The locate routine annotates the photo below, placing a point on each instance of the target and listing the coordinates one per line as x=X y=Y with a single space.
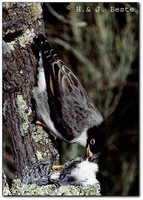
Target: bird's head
x=96 y=139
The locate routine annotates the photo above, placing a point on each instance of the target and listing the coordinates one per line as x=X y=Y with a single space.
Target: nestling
x=76 y=172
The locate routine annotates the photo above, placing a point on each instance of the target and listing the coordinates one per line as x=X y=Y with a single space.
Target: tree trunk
x=21 y=22
x=30 y=143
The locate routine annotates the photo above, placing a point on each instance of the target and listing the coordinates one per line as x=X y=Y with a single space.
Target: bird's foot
x=38 y=122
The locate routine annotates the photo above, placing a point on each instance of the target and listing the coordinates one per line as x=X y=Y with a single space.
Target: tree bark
x=30 y=143
x=21 y=22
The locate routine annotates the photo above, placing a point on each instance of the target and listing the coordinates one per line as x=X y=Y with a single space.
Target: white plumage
x=41 y=75
x=81 y=139
x=85 y=173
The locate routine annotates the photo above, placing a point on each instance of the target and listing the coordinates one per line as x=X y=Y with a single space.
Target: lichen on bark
x=30 y=143
x=20 y=189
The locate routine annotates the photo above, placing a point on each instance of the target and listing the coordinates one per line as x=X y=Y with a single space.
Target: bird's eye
x=92 y=141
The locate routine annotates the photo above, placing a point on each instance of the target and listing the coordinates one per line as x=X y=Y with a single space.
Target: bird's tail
x=41 y=43
x=43 y=46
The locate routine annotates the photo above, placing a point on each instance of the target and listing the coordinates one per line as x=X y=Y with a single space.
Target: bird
x=75 y=172
x=63 y=105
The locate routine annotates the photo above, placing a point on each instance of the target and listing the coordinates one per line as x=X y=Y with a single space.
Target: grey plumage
x=38 y=173
x=76 y=172
x=62 y=102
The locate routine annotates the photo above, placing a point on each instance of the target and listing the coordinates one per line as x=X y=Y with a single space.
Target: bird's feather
x=67 y=102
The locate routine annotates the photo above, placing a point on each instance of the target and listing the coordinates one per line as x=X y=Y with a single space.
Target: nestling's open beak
x=56 y=168
x=89 y=154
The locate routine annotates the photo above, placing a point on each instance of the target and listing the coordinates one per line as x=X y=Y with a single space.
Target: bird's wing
x=70 y=106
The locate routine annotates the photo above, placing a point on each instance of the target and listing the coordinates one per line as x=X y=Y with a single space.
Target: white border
x=126 y=1
x=141 y=100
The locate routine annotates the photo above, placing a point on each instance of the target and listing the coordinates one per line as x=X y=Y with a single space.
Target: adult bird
x=63 y=104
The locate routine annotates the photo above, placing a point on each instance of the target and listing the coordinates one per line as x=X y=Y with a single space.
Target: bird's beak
x=89 y=154
x=56 y=168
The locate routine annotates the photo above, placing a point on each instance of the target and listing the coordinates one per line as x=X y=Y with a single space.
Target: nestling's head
x=97 y=137
x=75 y=172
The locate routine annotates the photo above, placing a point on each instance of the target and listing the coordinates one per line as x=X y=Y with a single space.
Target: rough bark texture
x=19 y=70
x=20 y=189
x=30 y=143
